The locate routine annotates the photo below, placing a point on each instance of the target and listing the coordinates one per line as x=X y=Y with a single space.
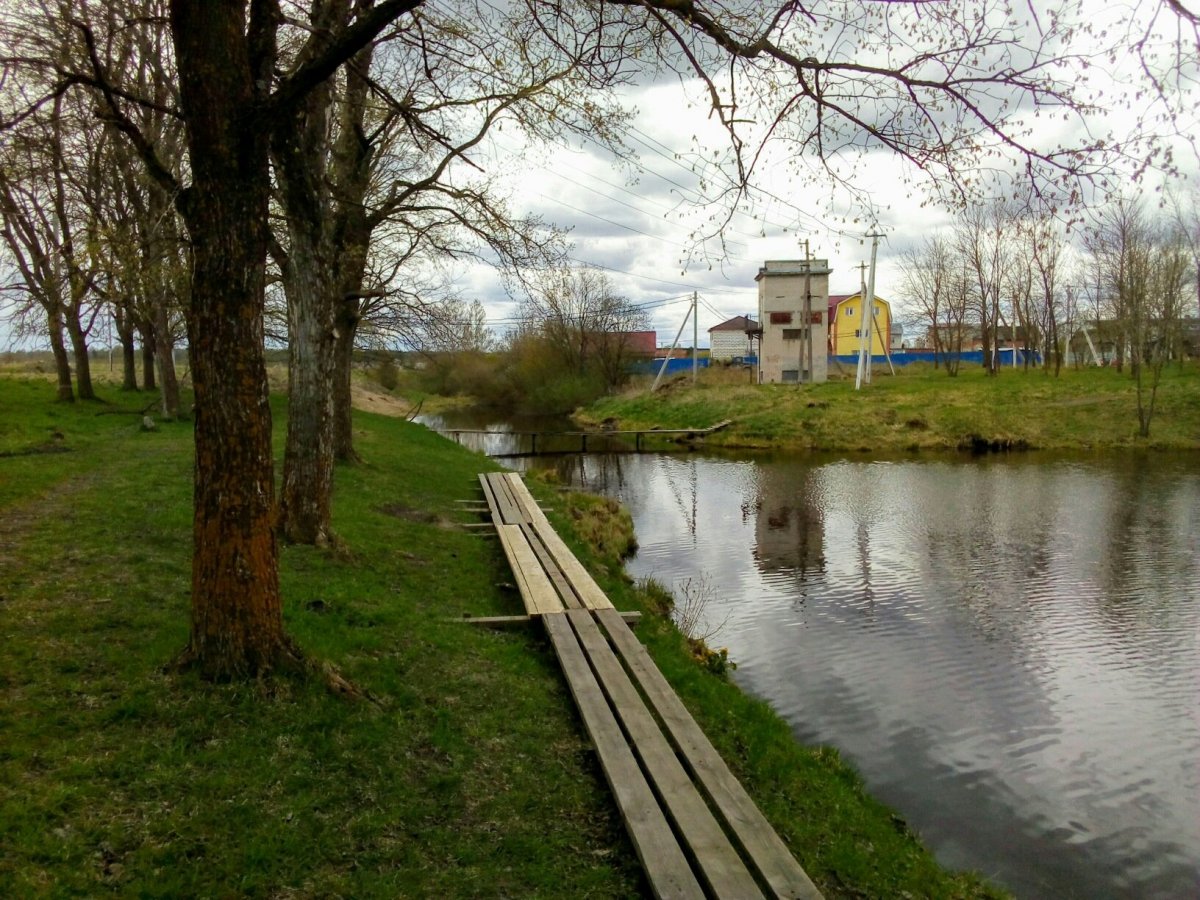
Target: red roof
x=641 y=342
x=835 y=299
x=737 y=323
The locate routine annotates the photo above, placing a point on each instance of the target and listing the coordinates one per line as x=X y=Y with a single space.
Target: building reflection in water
x=789 y=526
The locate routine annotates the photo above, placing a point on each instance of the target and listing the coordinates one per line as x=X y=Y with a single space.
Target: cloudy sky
x=636 y=217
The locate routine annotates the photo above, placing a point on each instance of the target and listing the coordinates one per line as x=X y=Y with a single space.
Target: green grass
x=922 y=409
x=470 y=777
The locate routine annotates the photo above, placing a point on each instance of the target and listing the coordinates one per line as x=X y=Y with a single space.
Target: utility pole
x=695 y=338
x=674 y=344
x=806 y=334
x=864 y=347
x=862 y=290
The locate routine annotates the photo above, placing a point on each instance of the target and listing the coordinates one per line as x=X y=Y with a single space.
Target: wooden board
x=723 y=871
x=501 y=497
x=561 y=585
x=658 y=850
x=631 y=617
x=754 y=834
x=512 y=512
x=536 y=590
x=523 y=498
x=489 y=496
x=583 y=583
x=581 y=580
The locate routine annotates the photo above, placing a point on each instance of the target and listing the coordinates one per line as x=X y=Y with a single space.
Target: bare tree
x=1019 y=286
x=1046 y=254
x=1114 y=245
x=1146 y=267
x=49 y=204
x=980 y=242
x=230 y=96
x=413 y=146
x=927 y=272
x=1185 y=216
x=583 y=322
x=156 y=265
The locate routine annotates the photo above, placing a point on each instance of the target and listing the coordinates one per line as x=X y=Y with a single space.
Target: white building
x=793 y=302
x=729 y=340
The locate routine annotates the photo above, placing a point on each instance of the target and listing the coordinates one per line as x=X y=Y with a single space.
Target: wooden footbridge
x=553 y=442
x=695 y=829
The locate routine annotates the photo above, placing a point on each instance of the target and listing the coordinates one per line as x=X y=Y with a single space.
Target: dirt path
x=18 y=521
x=364 y=398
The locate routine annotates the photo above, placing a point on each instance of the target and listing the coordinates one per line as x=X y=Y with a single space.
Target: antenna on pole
x=865 y=317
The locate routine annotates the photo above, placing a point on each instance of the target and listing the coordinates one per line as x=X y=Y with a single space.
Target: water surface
x=1008 y=649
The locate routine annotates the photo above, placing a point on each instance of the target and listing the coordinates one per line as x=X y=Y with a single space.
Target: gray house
x=793 y=304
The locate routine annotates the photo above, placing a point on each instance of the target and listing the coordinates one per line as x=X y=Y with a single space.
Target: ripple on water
x=1007 y=650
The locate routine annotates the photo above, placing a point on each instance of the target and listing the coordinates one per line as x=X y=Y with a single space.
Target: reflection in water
x=789 y=531
x=1007 y=649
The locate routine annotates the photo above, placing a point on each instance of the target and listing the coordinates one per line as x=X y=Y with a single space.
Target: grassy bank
x=470 y=777
x=920 y=409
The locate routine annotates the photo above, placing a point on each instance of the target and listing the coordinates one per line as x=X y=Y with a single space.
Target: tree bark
x=352 y=161
x=128 y=350
x=62 y=360
x=224 y=66
x=149 y=380
x=345 y=330
x=301 y=153
x=306 y=504
x=83 y=366
x=164 y=354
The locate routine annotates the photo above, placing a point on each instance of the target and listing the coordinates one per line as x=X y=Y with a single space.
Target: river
x=1006 y=648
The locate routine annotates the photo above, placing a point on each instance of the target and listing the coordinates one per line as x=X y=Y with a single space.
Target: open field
x=469 y=776
x=920 y=409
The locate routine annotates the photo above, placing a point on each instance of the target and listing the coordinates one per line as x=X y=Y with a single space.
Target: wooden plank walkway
x=694 y=828
x=639 y=434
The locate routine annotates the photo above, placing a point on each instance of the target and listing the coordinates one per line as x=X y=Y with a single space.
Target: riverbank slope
x=469 y=776
x=919 y=408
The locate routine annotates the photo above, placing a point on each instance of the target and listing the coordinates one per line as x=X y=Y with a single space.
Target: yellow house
x=845 y=325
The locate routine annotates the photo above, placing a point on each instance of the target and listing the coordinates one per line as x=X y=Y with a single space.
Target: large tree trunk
x=83 y=366
x=306 y=504
x=352 y=158
x=301 y=150
x=128 y=350
x=149 y=379
x=164 y=352
x=345 y=330
x=62 y=360
x=237 y=622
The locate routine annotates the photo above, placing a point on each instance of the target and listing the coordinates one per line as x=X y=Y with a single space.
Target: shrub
x=387 y=374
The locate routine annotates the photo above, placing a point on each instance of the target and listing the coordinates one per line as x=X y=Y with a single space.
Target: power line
x=611 y=221
x=666 y=210
x=801 y=215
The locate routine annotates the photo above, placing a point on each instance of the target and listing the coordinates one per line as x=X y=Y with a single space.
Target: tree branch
x=115 y=116
x=293 y=88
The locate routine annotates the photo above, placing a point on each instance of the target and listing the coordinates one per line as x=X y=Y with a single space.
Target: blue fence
x=970 y=356
x=674 y=366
